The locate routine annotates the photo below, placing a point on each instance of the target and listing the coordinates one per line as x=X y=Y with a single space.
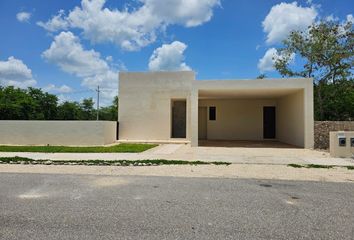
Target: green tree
x=88 y=111
x=262 y=76
x=327 y=51
x=69 y=111
x=110 y=112
x=34 y=104
x=44 y=104
x=12 y=102
x=30 y=104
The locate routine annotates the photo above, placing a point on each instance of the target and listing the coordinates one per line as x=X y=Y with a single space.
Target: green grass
x=295 y=165
x=319 y=166
x=21 y=160
x=120 y=148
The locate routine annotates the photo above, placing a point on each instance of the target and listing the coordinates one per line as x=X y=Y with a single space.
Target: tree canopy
x=326 y=51
x=34 y=104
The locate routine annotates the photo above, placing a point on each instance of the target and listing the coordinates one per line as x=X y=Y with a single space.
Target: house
x=174 y=106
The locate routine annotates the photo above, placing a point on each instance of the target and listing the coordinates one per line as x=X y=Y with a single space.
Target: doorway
x=179 y=118
x=269 y=122
x=202 y=123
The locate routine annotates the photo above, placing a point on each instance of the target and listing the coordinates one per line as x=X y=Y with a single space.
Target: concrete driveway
x=247 y=155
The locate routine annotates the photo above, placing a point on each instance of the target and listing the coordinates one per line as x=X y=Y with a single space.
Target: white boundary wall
x=57 y=132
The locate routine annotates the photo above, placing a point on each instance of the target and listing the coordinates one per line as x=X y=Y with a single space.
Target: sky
x=69 y=47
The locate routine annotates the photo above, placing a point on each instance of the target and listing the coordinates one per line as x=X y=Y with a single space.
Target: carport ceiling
x=246 y=93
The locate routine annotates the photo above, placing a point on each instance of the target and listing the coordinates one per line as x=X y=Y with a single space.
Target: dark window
x=212 y=113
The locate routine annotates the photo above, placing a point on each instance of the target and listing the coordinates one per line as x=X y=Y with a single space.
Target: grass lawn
x=120 y=148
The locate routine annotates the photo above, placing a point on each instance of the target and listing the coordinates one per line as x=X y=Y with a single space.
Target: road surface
x=50 y=206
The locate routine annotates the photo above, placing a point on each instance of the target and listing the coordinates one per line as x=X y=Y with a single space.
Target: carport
x=254 y=113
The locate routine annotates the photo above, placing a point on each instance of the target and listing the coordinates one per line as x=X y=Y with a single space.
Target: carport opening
x=263 y=118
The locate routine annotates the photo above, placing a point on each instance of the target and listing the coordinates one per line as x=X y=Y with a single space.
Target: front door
x=269 y=122
x=179 y=117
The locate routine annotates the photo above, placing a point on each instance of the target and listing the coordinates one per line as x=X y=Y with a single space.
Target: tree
x=44 y=104
x=111 y=112
x=30 y=104
x=34 y=104
x=262 y=76
x=327 y=53
x=339 y=101
x=88 y=111
x=69 y=111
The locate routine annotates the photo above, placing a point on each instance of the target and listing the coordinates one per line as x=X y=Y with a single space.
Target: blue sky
x=69 y=47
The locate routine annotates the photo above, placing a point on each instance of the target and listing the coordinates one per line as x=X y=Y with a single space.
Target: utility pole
x=98 y=101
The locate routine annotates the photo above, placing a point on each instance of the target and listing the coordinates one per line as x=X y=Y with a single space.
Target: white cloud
x=286 y=17
x=266 y=63
x=23 y=16
x=133 y=29
x=64 y=98
x=350 y=18
x=169 y=57
x=62 y=89
x=14 y=72
x=56 y=23
x=67 y=52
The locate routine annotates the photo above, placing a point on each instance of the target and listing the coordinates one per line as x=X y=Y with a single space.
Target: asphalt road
x=35 y=206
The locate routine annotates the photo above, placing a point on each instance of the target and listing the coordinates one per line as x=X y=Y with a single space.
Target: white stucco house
x=174 y=106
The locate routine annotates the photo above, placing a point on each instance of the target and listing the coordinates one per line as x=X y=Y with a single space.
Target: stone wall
x=322 y=129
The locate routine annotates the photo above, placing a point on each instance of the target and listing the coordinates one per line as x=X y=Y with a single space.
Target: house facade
x=174 y=106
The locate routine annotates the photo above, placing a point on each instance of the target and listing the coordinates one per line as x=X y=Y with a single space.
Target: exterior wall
x=57 y=132
x=145 y=103
x=309 y=116
x=322 y=129
x=341 y=151
x=236 y=119
x=290 y=119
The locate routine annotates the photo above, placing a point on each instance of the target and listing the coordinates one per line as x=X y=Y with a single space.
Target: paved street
x=41 y=206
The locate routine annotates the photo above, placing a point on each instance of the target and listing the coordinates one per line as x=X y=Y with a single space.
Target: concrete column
x=309 y=115
x=194 y=118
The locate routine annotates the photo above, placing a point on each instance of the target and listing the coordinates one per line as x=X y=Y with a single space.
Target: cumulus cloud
x=131 y=30
x=56 y=89
x=286 y=17
x=23 y=16
x=67 y=52
x=56 y=23
x=266 y=63
x=14 y=72
x=169 y=57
